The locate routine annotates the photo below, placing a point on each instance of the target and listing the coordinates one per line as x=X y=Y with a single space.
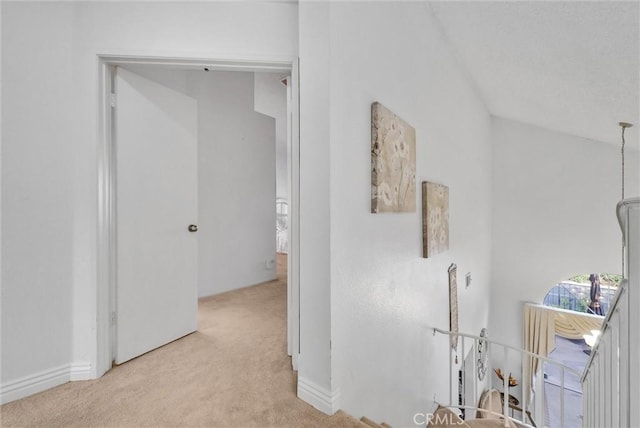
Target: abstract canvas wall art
x=435 y=219
x=453 y=305
x=393 y=162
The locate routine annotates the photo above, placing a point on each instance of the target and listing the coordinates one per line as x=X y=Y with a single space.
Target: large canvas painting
x=393 y=162
x=435 y=218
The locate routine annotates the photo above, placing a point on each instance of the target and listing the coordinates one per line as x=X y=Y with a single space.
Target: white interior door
x=156 y=187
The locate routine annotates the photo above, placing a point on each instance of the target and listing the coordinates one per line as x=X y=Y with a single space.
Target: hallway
x=232 y=372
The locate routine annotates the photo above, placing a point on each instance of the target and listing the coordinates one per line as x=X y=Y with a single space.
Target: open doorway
x=108 y=196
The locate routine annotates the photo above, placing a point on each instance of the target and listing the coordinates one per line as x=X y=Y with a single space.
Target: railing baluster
x=609 y=376
x=594 y=409
x=586 y=417
x=463 y=376
x=561 y=397
x=597 y=420
x=602 y=381
x=615 y=379
x=586 y=411
x=505 y=388
x=475 y=372
x=450 y=371
x=536 y=408
x=523 y=393
x=606 y=372
x=540 y=394
x=594 y=386
x=602 y=357
x=624 y=363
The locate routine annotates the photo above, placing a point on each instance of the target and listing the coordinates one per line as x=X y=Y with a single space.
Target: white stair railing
x=512 y=361
x=611 y=378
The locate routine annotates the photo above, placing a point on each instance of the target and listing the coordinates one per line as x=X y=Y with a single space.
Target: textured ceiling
x=570 y=66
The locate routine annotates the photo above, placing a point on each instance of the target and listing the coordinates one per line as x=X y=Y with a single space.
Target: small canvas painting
x=393 y=162
x=435 y=219
x=453 y=305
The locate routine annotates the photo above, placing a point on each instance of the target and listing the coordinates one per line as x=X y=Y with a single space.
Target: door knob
x=193 y=228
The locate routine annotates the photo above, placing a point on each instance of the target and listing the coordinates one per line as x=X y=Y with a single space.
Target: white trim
x=106 y=222
x=220 y=64
x=322 y=399
x=293 y=259
x=38 y=382
x=80 y=371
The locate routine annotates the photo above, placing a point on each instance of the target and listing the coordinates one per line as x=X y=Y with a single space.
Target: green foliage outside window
x=579 y=305
x=612 y=279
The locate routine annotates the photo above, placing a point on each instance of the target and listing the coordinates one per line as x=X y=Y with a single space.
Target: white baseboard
x=80 y=371
x=38 y=382
x=322 y=399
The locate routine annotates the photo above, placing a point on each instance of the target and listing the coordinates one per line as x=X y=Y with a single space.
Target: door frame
x=106 y=183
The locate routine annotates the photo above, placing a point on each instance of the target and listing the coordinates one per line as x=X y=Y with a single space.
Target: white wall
x=38 y=173
x=271 y=99
x=1 y=137
x=315 y=381
x=554 y=199
x=49 y=165
x=387 y=365
x=237 y=183
x=173 y=78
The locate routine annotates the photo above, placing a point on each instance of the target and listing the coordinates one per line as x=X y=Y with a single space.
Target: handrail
x=523 y=351
x=610 y=378
x=622 y=288
x=527 y=407
x=620 y=208
x=568 y=311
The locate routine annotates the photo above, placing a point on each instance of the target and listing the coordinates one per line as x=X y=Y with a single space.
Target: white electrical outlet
x=269 y=264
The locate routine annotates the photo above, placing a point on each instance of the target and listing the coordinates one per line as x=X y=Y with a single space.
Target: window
x=574 y=294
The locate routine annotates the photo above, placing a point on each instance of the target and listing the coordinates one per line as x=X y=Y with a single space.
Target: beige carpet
x=233 y=372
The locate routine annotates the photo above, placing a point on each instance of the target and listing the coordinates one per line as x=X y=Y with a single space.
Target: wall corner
x=325 y=400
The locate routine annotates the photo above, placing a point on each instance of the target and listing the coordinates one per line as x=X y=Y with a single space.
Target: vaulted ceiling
x=570 y=66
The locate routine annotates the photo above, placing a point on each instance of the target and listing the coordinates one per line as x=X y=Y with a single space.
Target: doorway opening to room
x=192 y=211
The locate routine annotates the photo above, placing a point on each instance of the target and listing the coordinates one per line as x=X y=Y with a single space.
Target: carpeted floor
x=233 y=372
